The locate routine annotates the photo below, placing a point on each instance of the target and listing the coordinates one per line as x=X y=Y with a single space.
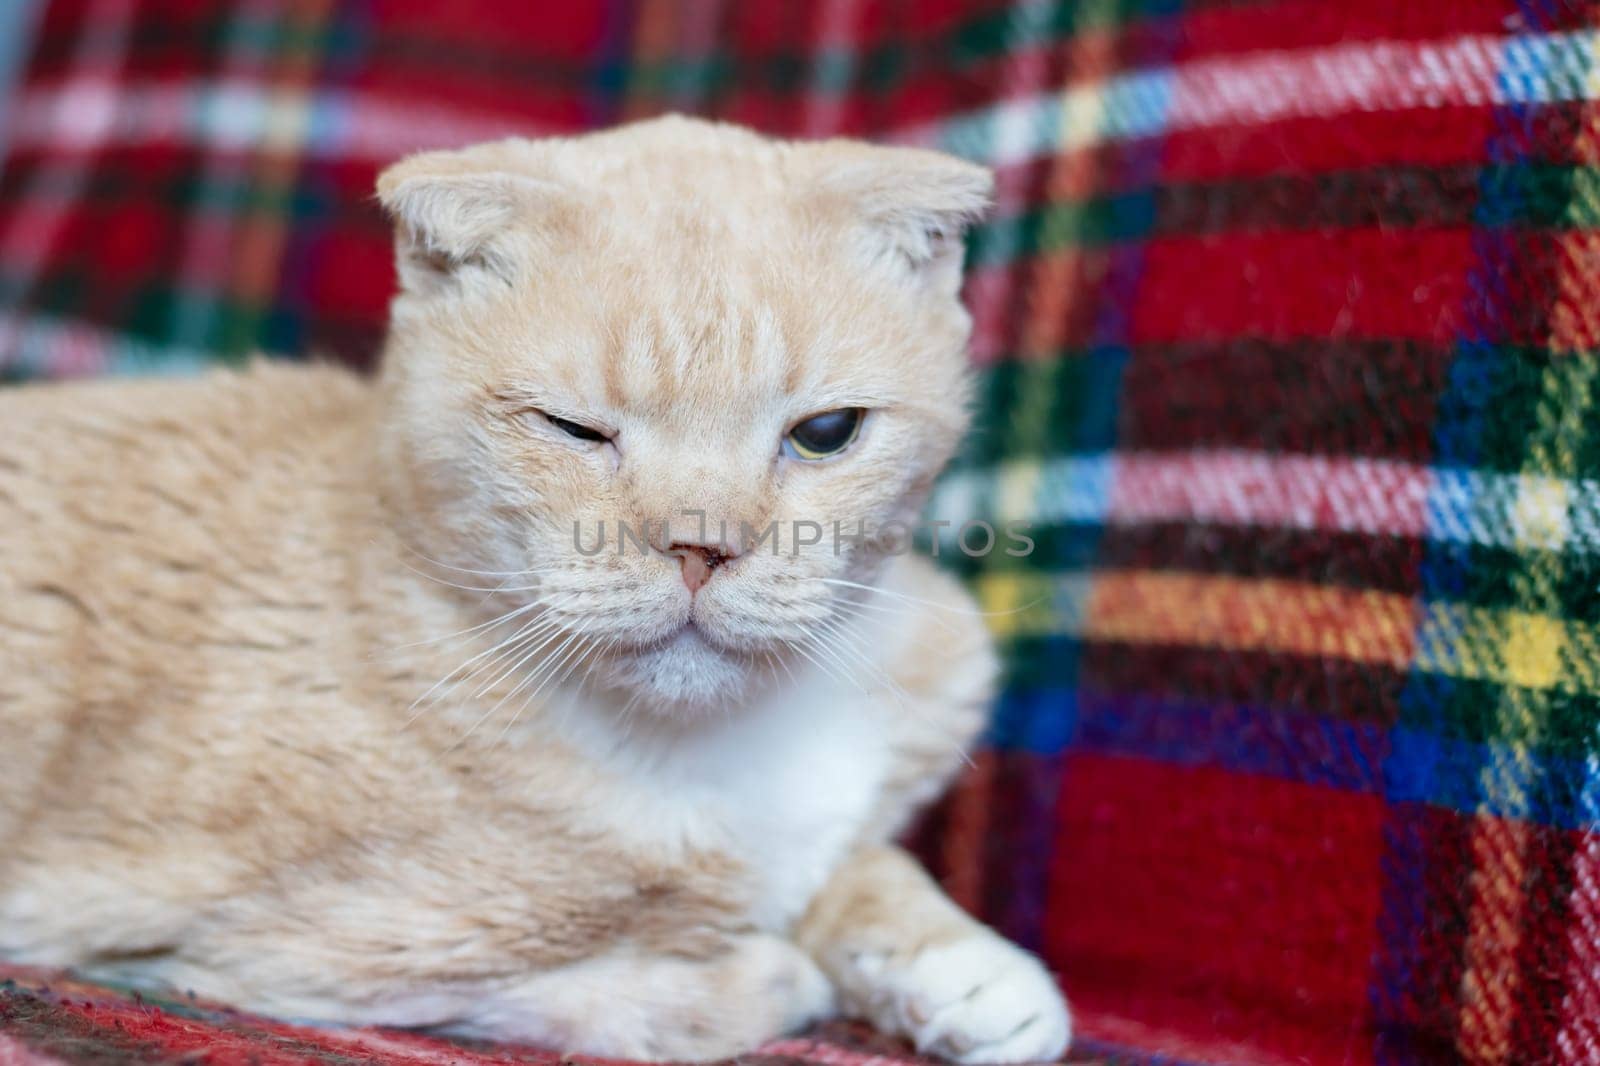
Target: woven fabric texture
x=1287 y=325
x=56 y=1020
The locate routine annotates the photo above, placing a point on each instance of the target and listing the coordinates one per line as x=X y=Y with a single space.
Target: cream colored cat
x=648 y=810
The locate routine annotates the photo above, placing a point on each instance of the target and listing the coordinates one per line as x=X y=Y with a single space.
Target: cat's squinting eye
x=577 y=429
x=824 y=435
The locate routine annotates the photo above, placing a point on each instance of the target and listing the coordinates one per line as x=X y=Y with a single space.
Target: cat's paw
x=979 y=999
x=784 y=980
x=660 y=1008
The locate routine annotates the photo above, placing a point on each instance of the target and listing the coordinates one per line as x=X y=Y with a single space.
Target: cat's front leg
x=629 y=1005
x=906 y=958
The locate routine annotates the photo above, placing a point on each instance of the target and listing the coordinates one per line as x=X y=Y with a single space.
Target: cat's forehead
x=724 y=231
x=685 y=301
x=675 y=335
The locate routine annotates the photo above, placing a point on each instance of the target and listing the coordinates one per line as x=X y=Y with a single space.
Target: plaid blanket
x=1287 y=321
x=55 y=1020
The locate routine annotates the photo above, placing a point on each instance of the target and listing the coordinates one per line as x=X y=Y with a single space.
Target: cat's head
x=619 y=331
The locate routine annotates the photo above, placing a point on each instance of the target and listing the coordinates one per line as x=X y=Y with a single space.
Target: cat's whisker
x=463 y=673
x=586 y=660
x=875 y=673
x=799 y=648
x=841 y=676
x=490 y=624
x=951 y=608
x=881 y=591
x=560 y=662
x=912 y=612
x=903 y=610
x=467 y=570
x=838 y=629
x=490 y=713
x=545 y=671
x=849 y=610
x=528 y=700
x=603 y=652
x=627 y=717
x=843 y=672
x=492 y=589
x=500 y=653
x=502 y=587
x=902 y=698
x=546 y=639
x=778 y=660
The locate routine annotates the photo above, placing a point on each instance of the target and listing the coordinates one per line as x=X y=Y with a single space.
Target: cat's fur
x=221 y=599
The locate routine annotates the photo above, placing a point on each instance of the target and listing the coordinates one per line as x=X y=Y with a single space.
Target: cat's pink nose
x=698 y=560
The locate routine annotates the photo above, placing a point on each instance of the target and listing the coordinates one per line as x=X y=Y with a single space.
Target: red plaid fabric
x=1287 y=323
x=54 y=1020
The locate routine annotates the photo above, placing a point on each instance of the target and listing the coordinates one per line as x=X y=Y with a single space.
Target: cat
x=336 y=700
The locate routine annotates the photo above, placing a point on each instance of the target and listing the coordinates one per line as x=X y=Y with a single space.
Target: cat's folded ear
x=461 y=213
x=910 y=203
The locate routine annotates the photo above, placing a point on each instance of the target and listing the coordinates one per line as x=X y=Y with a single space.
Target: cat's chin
x=684 y=676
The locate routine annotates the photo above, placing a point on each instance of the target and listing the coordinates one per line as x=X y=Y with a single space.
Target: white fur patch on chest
x=784 y=787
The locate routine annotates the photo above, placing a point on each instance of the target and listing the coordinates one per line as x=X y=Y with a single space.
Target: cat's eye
x=826 y=434
x=577 y=429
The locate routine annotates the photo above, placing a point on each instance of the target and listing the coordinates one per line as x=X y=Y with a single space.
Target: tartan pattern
x=1287 y=324
x=53 y=1019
